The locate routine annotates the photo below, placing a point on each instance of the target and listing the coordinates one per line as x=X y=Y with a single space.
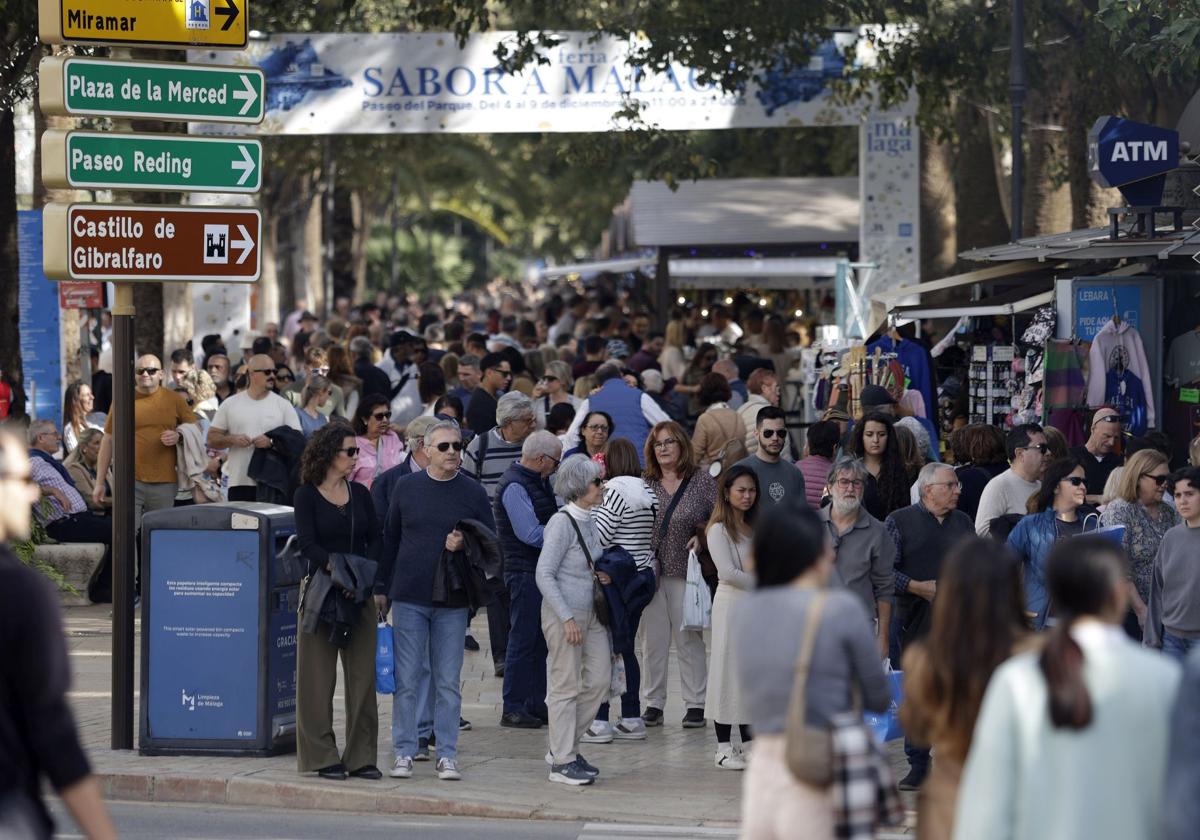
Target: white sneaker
x=728 y=759
x=630 y=729
x=600 y=732
x=402 y=768
x=447 y=770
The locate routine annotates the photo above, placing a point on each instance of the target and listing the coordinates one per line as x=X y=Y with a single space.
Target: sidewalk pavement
x=667 y=779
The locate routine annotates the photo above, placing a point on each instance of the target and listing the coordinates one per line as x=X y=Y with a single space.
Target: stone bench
x=76 y=562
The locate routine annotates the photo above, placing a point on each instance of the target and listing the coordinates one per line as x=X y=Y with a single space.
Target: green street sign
x=79 y=86
x=104 y=160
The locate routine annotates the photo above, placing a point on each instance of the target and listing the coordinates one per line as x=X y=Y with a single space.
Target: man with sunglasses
x=406 y=350
x=1099 y=455
x=158 y=413
x=778 y=479
x=497 y=375
x=1008 y=493
x=422 y=522
x=242 y=422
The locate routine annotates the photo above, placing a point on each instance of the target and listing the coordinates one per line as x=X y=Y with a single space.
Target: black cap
x=307 y=316
x=875 y=395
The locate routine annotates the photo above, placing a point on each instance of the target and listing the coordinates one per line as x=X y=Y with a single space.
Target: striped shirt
x=499 y=456
x=617 y=523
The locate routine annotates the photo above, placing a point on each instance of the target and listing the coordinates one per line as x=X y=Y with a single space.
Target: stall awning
x=618 y=266
x=997 y=272
x=1090 y=244
x=759 y=272
x=1008 y=303
x=745 y=211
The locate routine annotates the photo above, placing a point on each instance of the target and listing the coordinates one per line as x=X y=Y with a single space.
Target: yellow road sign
x=219 y=24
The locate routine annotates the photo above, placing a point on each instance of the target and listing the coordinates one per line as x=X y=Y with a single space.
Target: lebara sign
x=424 y=83
x=1133 y=157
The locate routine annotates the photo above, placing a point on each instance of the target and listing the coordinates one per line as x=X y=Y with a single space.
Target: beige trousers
x=577 y=679
x=660 y=624
x=775 y=804
x=316 y=676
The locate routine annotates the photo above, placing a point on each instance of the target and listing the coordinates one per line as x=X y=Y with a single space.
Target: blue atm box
x=218 y=631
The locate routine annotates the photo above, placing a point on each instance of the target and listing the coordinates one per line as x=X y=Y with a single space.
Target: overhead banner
x=425 y=83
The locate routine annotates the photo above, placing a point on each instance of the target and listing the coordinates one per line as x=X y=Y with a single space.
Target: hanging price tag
x=1189 y=395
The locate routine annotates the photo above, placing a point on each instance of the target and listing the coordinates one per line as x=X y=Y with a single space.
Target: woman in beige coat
x=720 y=434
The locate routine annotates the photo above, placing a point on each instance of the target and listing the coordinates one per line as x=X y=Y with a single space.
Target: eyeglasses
x=597 y=427
x=954 y=485
x=556 y=461
x=665 y=443
x=1075 y=481
x=447 y=445
x=596 y=482
x=264 y=371
x=146 y=371
x=1160 y=480
x=770 y=433
x=350 y=450
x=382 y=415
x=323 y=371
x=1040 y=447
x=847 y=483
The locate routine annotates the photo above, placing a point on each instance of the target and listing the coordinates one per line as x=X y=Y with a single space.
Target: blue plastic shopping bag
x=886 y=725
x=385 y=660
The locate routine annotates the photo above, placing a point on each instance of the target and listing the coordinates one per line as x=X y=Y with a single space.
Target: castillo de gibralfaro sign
x=151 y=243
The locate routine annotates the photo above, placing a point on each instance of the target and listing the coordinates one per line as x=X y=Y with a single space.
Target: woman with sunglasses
x=1138 y=506
x=1057 y=512
x=335 y=515
x=554 y=388
x=379 y=448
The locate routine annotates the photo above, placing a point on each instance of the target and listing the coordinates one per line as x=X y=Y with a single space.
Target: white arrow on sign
x=245 y=165
x=245 y=244
x=248 y=96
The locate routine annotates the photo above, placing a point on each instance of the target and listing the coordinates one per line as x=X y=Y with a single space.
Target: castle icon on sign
x=197 y=14
x=216 y=244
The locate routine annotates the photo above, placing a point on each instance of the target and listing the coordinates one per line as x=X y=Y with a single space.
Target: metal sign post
x=124 y=550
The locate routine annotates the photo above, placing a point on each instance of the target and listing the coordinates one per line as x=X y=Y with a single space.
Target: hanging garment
x=1118 y=347
x=1064 y=381
x=916 y=363
x=1124 y=392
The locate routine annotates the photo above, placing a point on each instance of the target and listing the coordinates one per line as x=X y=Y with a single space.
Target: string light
x=729 y=301
x=681 y=300
x=762 y=302
x=799 y=313
x=703 y=313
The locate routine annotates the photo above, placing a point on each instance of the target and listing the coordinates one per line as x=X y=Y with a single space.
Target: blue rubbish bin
x=218 y=649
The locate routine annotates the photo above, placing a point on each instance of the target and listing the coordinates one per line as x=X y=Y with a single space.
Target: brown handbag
x=808 y=749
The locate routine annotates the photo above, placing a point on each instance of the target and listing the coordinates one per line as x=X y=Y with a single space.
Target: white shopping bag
x=697 y=602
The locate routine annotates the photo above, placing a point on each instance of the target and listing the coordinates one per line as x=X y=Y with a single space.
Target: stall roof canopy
x=1091 y=244
x=1022 y=299
x=745 y=211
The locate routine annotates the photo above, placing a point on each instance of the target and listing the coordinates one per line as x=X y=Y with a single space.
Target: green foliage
x=431 y=262
x=1162 y=36
x=24 y=550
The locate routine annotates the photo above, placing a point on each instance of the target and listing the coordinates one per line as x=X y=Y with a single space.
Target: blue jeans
x=525 y=660
x=1176 y=647
x=631 y=706
x=428 y=638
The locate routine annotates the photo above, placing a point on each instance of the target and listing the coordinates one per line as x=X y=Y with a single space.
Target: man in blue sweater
x=524 y=504
x=422 y=522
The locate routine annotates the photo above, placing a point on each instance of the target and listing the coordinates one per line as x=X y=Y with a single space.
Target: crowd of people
x=560 y=465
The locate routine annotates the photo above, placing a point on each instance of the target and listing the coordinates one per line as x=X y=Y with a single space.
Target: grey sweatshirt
x=1174 y=604
x=767 y=628
x=563 y=575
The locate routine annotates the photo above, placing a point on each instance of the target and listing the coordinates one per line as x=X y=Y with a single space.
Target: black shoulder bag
x=666 y=522
x=599 y=599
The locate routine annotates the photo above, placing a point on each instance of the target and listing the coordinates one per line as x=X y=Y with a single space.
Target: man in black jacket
x=374 y=380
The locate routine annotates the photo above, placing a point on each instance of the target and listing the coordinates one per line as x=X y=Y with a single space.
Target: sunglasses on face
x=352 y=451
x=382 y=415
x=770 y=433
x=146 y=371
x=1040 y=447
x=447 y=445
x=1112 y=418
x=268 y=372
x=323 y=371
x=550 y=378
x=283 y=374
x=1160 y=480
x=1075 y=481
x=507 y=374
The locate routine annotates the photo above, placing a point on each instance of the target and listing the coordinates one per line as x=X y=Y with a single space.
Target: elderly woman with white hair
x=579 y=662
x=554 y=388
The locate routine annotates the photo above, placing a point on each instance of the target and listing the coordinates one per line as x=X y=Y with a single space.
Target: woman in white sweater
x=729 y=535
x=1071 y=741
